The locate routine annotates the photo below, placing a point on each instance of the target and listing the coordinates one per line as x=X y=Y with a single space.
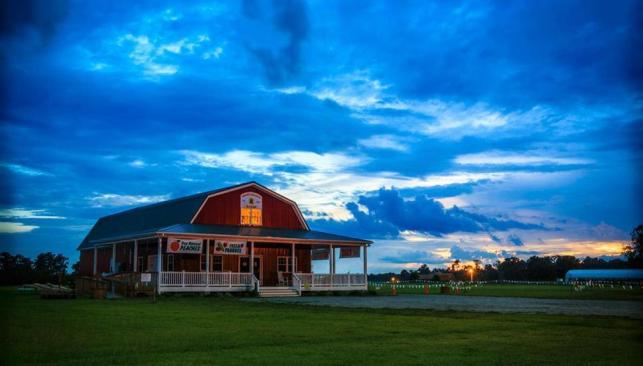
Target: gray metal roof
x=604 y=274
x=174 y=216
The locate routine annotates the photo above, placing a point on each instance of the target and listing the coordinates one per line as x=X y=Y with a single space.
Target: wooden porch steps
x=277 y=292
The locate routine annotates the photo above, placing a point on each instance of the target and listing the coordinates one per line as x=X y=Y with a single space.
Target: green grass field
x=535 y=291
x=225 y=330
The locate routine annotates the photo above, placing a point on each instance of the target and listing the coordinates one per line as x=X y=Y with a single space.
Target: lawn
x=224 y=330
x=520 y=290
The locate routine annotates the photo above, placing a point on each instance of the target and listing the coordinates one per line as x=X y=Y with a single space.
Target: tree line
x=536 y=268
x=46 y=268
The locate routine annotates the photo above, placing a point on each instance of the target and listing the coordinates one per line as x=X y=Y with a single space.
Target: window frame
x=254 y=214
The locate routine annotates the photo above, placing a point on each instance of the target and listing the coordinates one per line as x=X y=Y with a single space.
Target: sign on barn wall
x=187 y=246
x=230 y=247
x=349 y=252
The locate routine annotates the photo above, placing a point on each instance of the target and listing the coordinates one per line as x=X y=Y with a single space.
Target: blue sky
x=439 y=130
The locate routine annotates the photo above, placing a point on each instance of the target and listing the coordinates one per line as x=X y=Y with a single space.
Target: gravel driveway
x=631 y=309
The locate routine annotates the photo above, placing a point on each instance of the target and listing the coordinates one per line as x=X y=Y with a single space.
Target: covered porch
x=260 y=262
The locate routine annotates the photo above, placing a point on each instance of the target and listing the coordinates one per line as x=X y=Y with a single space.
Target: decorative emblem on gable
x=250 y=200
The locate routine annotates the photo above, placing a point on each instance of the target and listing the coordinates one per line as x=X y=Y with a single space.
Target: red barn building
x=241 y=238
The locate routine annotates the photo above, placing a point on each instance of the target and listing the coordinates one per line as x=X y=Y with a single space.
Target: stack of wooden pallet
x=49 y=291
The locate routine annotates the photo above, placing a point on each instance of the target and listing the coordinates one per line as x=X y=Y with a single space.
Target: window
x=202 y=258
x=251 y=209
x=151 y=263
x=170 y=262
x=284 y=264
x=217 y=263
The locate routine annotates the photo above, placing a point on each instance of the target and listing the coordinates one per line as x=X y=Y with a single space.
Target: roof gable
x=253 y=186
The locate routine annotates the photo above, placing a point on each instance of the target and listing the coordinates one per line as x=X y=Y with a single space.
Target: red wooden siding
x=86 y=262
x=225 y=209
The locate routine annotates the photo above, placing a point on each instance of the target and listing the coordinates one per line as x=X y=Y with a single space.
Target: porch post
x=332 y=253
x=365 y=266
x=135 y=264
x=252 y=258
x=113 y=264
x=159 y=264
x=332 y=265
x=95 y=260
x=207 y=262
x=292 y=255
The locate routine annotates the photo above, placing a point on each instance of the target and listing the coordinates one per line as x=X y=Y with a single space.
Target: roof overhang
x=271 y=239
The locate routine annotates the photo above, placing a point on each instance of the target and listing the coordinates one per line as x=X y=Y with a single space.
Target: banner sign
x=349 y=252
x=320 y=253
x=146 y=277
x=230 y=247
x=188 y=246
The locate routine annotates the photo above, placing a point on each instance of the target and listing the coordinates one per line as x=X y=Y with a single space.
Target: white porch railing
x=202 y=281
x=329 y=282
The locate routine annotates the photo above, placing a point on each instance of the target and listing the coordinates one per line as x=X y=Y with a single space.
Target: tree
x=15 y=270
x=633 y=250
x=541 y=269
x=424 y=269
x=49 y=267
x=455 y=266
x=512 y=269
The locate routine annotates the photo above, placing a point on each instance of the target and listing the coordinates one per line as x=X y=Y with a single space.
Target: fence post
x=229 y=279
x=183 y=279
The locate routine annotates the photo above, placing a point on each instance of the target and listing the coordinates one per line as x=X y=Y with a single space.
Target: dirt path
x=631 y=309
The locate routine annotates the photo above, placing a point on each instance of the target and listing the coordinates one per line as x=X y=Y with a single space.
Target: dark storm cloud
x=515 y=240
x=389 y=214
x=289 y=17
x=40 y=16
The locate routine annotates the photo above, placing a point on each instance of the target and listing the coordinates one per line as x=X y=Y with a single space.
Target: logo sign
x=230 y=247
x=250 y=200
x=187 y=246
x=146 y=277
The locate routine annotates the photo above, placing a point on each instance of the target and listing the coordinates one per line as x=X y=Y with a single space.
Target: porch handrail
x=205 y=279
x=329 y=280
x=255 y=283
x=296 y=282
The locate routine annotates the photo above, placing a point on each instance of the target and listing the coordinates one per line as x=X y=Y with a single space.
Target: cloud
x=138 y=163
x=144 y=53
x=355 y=90
x=16 y=227
x=24 y=170
x=386 y=214
x=20 y=213
x=385 y=142
x=23 y=16
x=268 y=164
x=515 y=240
x=289 y=17
x=156 y=58
x=413 y=257
x=116 y=200
x=325 y=182
x=529 y=158
x=460 y=253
